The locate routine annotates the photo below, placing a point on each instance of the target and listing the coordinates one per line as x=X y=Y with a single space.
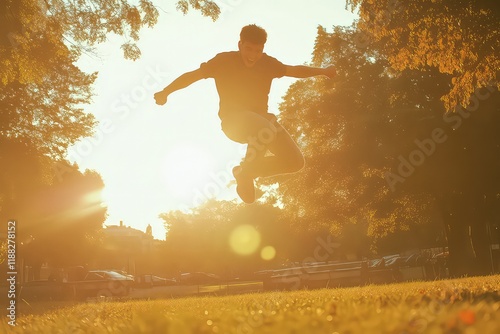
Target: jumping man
x=243 y=80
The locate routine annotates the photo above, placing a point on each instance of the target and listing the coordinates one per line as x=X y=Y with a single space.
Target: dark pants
x=263 y=134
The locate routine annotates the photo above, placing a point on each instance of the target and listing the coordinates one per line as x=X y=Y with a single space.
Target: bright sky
x=156 y=159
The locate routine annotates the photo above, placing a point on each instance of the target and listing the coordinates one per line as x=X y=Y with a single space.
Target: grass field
x=469 y=305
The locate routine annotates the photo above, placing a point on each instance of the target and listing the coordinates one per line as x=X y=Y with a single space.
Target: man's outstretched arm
x=181 y=82
x=301 y=71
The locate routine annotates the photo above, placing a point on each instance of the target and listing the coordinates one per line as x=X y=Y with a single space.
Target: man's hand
x=330 y=71
x=161 y=97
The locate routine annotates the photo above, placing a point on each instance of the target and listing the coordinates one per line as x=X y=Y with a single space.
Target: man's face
x=250 y=52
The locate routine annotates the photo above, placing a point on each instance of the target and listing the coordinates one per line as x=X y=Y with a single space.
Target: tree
x=200 y=240
x=457 y=37
x=63 y=219
x=460 y=40
x=346 y=129
x=382 y=152
x=57 y=219
x=23 y=172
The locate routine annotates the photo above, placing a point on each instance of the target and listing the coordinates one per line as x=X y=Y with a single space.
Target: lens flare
x=268 y=253
x=244 y=240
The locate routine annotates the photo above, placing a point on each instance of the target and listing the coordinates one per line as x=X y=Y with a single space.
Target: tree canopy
x=459 y=38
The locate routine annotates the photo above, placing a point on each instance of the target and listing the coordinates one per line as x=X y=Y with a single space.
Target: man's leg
x=261 y=134
x=286 y=156
x=255 y=131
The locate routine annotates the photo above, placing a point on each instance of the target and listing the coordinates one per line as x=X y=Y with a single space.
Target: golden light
x=244 y=240
x=185 y=168
x=90 y=203
x=106 y=196
x=268 y=253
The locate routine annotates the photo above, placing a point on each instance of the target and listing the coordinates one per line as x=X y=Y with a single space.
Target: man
x=243 y=80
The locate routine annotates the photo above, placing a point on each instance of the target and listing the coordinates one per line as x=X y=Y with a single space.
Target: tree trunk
x=466 y=225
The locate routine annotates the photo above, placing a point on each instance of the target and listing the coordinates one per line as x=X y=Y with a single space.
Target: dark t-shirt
x=242 y=88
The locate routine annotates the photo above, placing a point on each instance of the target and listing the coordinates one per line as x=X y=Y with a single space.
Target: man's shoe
x=244 y=185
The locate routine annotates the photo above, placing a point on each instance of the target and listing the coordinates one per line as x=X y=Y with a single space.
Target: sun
x=185 y=169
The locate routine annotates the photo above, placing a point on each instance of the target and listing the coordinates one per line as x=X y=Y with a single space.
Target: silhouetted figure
x=243 y=80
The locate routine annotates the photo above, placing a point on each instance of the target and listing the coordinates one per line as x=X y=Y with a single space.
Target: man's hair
x=254 y=34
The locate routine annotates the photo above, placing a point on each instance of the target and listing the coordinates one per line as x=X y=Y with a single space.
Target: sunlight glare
x=186 y=168
x=106 y=196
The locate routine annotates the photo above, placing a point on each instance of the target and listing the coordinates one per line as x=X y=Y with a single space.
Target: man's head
x=254 y=34
x=251 y=44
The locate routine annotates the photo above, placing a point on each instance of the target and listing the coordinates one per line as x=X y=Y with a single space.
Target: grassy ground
x=470 y=305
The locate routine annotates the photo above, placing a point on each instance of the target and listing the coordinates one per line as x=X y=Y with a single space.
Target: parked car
x=106 y=283
x=92 y=283
x=148 y=281
x=124 y=273
x=198 y=278
x=155 y=280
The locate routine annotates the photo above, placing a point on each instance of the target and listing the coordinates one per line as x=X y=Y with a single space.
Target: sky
x=154 y=159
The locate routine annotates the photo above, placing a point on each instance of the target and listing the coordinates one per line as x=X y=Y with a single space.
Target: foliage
x=79 y=24
x=57 y=218
x=63 y=219
x=456 y=306
x=200 y=240
x=457 y=37
x=48 y=115
x=41 y=89
x=24 y=170
x=351 y=131
x=382 y=152
x=207 y=7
